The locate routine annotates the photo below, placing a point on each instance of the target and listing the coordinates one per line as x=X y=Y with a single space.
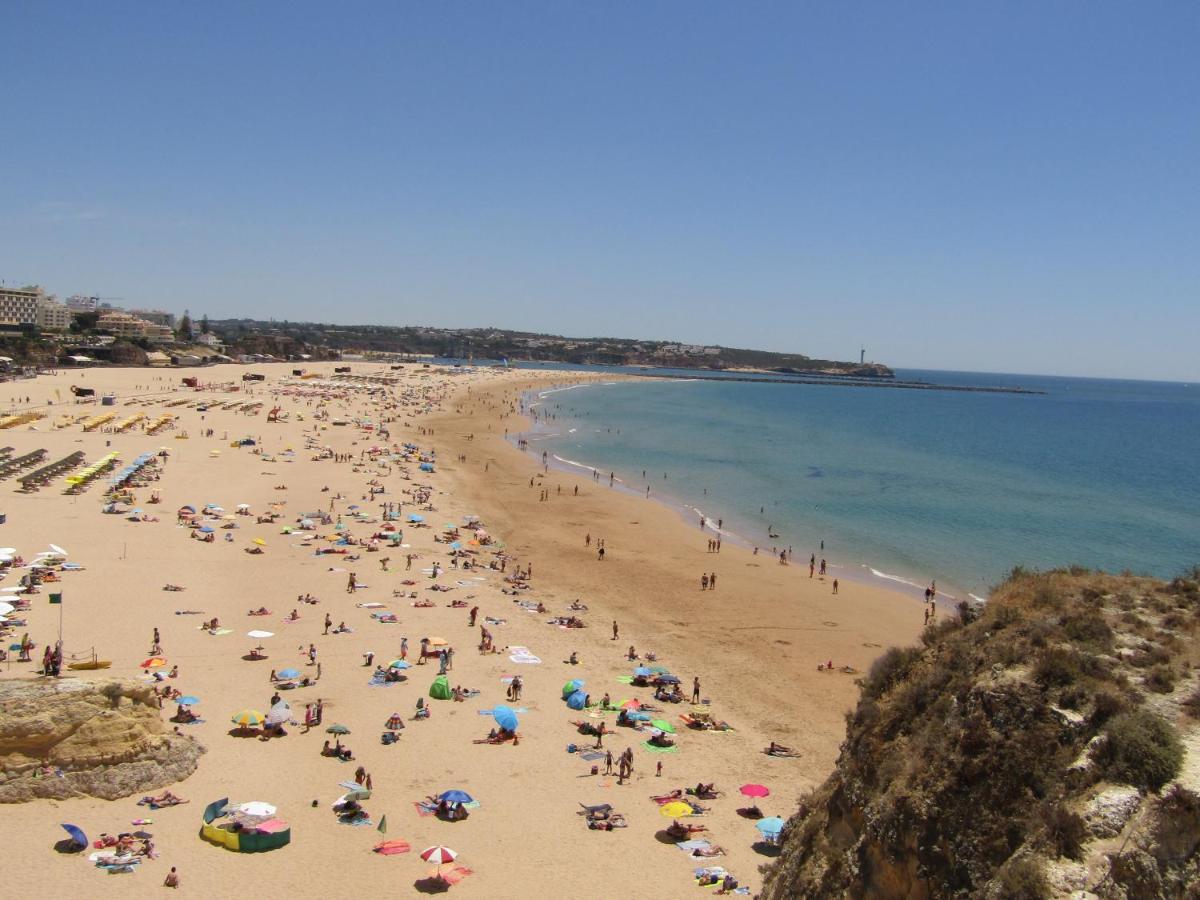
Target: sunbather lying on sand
x=682 y=832
x=166 y=798
x=261 y=611
x=780 y=750
x=173 y=587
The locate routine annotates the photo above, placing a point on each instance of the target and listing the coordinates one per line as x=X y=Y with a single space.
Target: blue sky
x=1006 y=186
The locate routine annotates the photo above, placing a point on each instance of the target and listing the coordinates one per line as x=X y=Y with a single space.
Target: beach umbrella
x=6 y=608
x=206 y=529
x=457 y=545
x=438 y=855
x=771 y=825
x=154 y=662
x=632 y=704
x=642 y=672
x=659 y=670
x=7 y=551
x=59 y=550
x=668 y=679
x=257 y=633
x=356 y=794
x=260 y=542
x=279 y=713
x=399 y=664
x=456 y=796
x=288 y=673
x=77 y=836
x=572 y=686
x=754 y=790
x=189 y=700
x=248 y=718
x=438 y=642
x=257 y=808
x=336 y=728
x=505 y=717
x=663 y=725
x=413 y=517
x=676 y=809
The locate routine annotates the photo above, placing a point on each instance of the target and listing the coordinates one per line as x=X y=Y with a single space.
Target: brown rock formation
x=107 y=739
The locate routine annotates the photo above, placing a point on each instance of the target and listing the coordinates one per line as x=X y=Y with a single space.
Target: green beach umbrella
x=336 y=728
x=663 y=725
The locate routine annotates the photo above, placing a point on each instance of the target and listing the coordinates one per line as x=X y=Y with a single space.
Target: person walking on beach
x=712 y=581
x=616 y=630
x=704 y=582
x=404 y=648
x=835 y=585
x=600 y=554
x=608 y=761
x=328 y=622
x=696 y=689
x=351 y=583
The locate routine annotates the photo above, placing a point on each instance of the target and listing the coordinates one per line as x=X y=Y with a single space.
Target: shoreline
x=863 y=573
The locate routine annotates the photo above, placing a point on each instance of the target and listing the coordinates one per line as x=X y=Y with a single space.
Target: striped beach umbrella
x=248 y=718
x=439 y=855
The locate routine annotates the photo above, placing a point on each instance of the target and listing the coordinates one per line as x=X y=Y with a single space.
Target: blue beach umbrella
x=668 y=679
x=413 y=517
x=505 y=717
x=187 y=701
x=457 y=545
x=455 y=796
x=77 y=835
x=399 y=664
x=577 y=700
x=642 y=671
x=288 y=673
x=207 y=529
x=772 y=825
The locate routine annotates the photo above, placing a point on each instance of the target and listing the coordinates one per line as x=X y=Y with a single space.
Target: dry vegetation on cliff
x=1045 y=746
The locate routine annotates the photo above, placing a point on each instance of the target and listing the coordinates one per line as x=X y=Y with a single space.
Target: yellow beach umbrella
x=676 y=809
x=248 y=718
x=260 y=542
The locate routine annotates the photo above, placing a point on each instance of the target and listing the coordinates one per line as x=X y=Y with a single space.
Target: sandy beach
x=755 y=642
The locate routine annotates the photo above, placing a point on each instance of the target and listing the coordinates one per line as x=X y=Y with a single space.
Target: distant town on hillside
x=36 y=329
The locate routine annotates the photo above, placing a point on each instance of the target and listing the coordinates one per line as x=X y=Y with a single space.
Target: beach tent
x=577 y=700
x=440 y=689
x=571 y=687
x=78 y=838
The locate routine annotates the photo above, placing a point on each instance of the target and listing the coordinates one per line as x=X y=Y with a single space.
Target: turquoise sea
x=908 y=485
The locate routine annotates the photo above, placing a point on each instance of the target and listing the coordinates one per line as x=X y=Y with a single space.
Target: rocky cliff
x=1047 y=745
x=70 y=738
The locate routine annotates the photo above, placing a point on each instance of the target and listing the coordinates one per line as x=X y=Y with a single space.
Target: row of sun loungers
x=11 y=467
x=46 y=474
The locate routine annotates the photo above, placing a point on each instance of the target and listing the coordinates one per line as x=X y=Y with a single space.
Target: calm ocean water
x=911 y=485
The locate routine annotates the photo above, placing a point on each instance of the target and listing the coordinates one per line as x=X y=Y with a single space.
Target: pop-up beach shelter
x=440 y=689
x=577 y=700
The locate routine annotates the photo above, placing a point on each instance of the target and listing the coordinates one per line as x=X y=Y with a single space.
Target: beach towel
x=391 y=848
x=454 y=875
x=424 y=808
x=625 y=679
x=653 y=749
x=692 y=846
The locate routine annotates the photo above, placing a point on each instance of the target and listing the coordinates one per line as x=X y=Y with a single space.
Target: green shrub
x=1161 y=679
x=1105 y=705
x=1065 y=831
x=888 y=670
x=1057 y=667
x=1090 y=629
x=1023 y=879
x=1142 y=749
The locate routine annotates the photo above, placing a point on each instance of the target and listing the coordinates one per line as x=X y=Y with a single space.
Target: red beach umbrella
x=755 y=790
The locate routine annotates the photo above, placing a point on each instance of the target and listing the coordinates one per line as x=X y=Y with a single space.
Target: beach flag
x=382 y=826
x=56 y=598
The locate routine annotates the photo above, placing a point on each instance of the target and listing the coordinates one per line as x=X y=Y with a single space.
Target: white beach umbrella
x=59 y=550
x=257 y=808
x=260 y=634
x=6 y=608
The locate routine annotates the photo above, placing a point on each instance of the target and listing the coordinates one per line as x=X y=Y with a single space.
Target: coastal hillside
x=1047 y=746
